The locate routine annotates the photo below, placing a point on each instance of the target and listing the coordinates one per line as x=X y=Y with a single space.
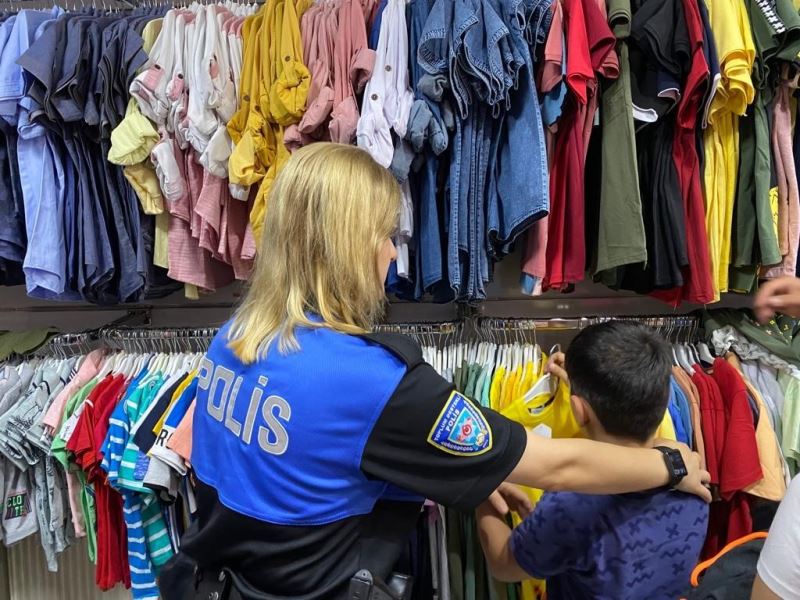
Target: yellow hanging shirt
x=736 y=50
x=555 y=412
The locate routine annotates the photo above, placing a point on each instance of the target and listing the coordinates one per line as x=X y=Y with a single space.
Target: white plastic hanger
x=705 y=353
x=694 y=358
x=546 y=384
x=683 y=358
x=108 y=365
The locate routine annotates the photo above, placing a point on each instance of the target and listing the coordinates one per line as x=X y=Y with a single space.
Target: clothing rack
x=675 y=327
x=131 y=333
x=160 y=340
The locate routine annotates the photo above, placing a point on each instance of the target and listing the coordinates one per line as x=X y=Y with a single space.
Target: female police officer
x=311 y=437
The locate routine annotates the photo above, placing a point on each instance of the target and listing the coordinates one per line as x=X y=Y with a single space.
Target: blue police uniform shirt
x=281 y=440
x=316 y=461
x=617 y=547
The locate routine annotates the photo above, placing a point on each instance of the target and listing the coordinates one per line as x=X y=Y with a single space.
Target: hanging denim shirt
x=430 y=35
x=488 y=61
x=522 y=194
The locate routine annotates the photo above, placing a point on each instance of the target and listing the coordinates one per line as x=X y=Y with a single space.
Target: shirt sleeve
x=779 y=562
x=434 y=441
x=547 y=542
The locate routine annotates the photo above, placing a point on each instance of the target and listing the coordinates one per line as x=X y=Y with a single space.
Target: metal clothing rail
x=675 y=328
x=127 y=333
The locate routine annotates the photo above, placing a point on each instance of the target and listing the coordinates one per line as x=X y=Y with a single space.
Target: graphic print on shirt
x=461 y=428
x=18 y=505
x=275 y=411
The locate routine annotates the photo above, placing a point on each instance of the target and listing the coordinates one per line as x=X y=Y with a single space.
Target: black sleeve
x=433 y=441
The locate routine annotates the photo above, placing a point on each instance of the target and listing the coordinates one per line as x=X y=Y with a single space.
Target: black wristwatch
x=675 y=465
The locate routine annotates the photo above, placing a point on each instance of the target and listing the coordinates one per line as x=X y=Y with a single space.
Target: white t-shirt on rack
x=779 y=563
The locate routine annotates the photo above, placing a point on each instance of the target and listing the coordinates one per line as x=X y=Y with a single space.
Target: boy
x=629 y=546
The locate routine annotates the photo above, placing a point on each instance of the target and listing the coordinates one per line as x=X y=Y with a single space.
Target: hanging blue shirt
x=680 y=412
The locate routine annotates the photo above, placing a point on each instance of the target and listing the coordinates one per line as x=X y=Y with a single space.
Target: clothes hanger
x=705 y=353
x=107 y=366
x=683 y=358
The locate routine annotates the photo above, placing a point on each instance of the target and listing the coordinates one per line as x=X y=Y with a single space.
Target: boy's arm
x=552 y=540
x=495 y=535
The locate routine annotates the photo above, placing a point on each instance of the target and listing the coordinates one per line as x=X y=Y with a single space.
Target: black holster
x=364 y=586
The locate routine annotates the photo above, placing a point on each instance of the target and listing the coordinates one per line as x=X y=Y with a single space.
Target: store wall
x=28 y=579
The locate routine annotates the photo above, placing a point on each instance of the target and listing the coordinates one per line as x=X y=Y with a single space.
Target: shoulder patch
x=461 y=428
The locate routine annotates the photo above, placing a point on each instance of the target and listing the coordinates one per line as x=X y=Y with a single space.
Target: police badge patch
x=461 y=428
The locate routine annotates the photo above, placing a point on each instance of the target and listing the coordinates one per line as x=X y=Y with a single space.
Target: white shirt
x=149 y=88
x=386 y=107
x=387 y=97
x=779 y=563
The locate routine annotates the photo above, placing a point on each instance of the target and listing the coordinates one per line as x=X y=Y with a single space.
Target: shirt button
x=388 y=67
x=374 y=96
x=246 y=98
x=287 y=58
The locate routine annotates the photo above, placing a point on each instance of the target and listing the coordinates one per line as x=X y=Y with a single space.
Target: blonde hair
x=329 y=211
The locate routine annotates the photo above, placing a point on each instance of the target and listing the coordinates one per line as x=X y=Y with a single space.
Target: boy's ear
x=581 y=410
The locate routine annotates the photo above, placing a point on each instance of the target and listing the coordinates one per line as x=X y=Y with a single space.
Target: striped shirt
x=148 y=540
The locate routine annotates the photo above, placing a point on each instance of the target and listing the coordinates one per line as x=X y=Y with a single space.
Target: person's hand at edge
x=780 y=295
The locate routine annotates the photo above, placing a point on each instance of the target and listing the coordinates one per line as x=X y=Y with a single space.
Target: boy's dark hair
x=622 y=369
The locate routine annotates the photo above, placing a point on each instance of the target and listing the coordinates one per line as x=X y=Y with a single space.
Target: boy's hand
x=509 y=497
x=555 y=366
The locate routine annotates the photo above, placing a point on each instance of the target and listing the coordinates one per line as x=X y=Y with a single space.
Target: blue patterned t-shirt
x=627 y=546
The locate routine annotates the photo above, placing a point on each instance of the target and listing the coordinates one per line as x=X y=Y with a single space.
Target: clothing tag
x=543 y=430
x=142 y=462
x=597 y=117
x=69 y=427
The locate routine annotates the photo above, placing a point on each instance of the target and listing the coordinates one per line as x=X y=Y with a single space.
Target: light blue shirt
x=41 y=177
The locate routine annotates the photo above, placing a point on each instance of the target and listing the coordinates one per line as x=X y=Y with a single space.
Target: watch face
x=677 y=463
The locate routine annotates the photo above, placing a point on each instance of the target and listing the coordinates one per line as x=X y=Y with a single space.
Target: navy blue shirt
x=627 y=546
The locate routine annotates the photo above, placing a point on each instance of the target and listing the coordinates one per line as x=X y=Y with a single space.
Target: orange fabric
x=703 y=566
x=690 y=389
x=181 y=440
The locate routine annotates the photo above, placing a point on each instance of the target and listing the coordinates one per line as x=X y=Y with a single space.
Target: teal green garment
x=513 y=591
x=469 y=381
x=487 y=386
x=462 y=381
x=472 y=379
x=137 y=403
x=479 y=385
